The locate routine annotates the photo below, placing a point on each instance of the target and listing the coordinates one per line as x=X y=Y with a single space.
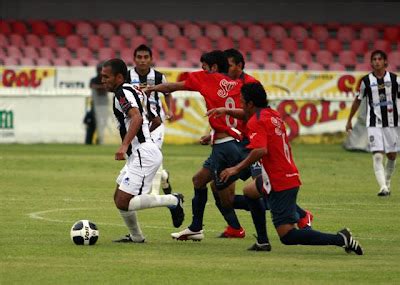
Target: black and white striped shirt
x=383 y=99
x=127 y=97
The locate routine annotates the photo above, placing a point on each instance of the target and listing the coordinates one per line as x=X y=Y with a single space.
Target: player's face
x=108 y=79
x=245 y=106
x=234 y=69
x=143 y=60
x=378 y=63
x=205 y=66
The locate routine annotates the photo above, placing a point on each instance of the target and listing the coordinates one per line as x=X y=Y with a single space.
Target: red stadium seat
x=33 y=40
x=148 y=30
x=58 y=61
x=84 y=53
x=391 y=34
x=27 y=61
x=320 y=33
x=359 y=47
x=315 y=66
x=324 y=57
x=163 y=63
x=347 y=58
x=73 y=42
x=289 y=45
x=106 y=30
x=193 y=55
x=93 y=62
x=298 y=33
x=127 y=30
x=46 y=52
x=160 y=43
x=170 y=31
x=346 y=34
x=369 y=34
x=192 y=31
x=63 y=28
x=213 y=31
x=3 y=41
x=184 y=64
x=13 y=51
x=63 y=52
x=203 y=43
x=312 y=45
x=302 y=57
x=136 y=41
x=267 y=44
x=76 y=62
x=382 y=45
x=251 y=65
x=10 y=61
x=293 y=66
x=246 y=44
x=16 y=40
x=225 y=43
x=43 y=62
x=5 y=28
x=84 y=29
x=30 y=52
x=258 y=56
x=277 y=32
x=49 y=41
x=271 y=66
x=337 y=67
x=172 y=55
x=280 y=56
x=362 y=67
x=235 y=32
x=334 y=46
x=19 y=27
x=95 y=42
x=39 y=28
x=117 y=42
x=394 y=58
x=182 y=43
x=126 y=54
x=105 y=53
x=256 y=32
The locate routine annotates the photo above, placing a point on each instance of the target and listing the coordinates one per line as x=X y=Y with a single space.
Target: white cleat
x=384 y=191
x=187 y=234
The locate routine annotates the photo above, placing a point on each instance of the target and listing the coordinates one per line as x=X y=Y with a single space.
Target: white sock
x=155 y=187
x=164 y=179
x=389 y=169
x=130 y=219
x=379 y=170
x=146 y=201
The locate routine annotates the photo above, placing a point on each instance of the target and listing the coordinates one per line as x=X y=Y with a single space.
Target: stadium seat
x=382 y=45
x=362 y=67
x=49 y=41
x=289 y=45
x=184 y=64
x=293 y=66
x=170 y=31
x=192 y=31
x=73 y=42
x=246 y=44
x=160 y=43
x=369 y=34
x=63 y=52
x=16 y=40
x=277 y=32
x=324 y=57
x=271 y=66
x=163 y=63
x=127 y=30
x=3 y=41
x=83 y=53
x=58 y=61
x=298 y=33
x=391 y=34
x=63 y=28
x=334 y=46
x=312 y=45
x=280 y=56
x=337 y=67
x=213 y=31
x=182 y=43
x=84 y=29
x=193 y=55
x=148 y=30
x=267 y=44
x=256 y=32
x=172 y=55
x=315 y=66
x=46 y=52
x=30 y=52
x=33 y=40
x=225 y=43
x=320 y=33
x=43 y=62
x=10 y=61
x=345 y=34
x=106 y=30
x=105 y=53
x=117 y=42
x=126 y=54
x=203 y=43
x=136 y=41
x=235 y=32
x=251 y=65
x=13 y=51
x=302 y=57
x=5 y=28
x=19 y=27
x=394 y=58
x=359 y=47
x=27 y=61
x=76 y=62
x=258 y=56
x=39 y=28
x=347 y=58
x=95 y=42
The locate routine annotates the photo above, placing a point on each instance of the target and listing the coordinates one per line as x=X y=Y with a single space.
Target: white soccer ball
x=84 y=232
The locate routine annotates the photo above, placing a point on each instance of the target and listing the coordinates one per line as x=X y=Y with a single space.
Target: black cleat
x=260 y=247
x=128 y=239
x=350 y=244
x=177 y=213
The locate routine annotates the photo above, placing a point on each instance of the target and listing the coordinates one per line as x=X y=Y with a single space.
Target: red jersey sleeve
x=257 y=133
x=194 y=80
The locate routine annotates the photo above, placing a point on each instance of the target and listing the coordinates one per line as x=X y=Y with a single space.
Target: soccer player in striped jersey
x=382 y=91
x=142 y=155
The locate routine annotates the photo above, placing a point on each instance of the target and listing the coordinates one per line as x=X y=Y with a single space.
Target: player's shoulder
x=247 y=78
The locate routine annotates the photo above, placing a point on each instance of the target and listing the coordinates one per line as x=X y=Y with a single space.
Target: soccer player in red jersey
x=280 y=179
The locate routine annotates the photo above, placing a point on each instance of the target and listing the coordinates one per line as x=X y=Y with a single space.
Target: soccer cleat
x=231 y=232
x=305 y=222
x=187 y=234
x=177 y=213
x=128 y=238
x=260 y=247
x=384 y=192
x=350 y=244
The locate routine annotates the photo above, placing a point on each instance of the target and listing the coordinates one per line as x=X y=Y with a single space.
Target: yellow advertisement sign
x=30 y=77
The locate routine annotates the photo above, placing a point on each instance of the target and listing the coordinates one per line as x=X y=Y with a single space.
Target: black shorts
x=283 y=206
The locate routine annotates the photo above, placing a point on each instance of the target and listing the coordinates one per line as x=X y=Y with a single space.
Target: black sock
x=300 y=211
x=257 y=208
x=167 y=190
x=198 y=204
x=311 y=237
x=228 y=213
x=240 y=203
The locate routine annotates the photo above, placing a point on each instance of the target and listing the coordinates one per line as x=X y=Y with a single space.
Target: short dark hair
x=118 y=66
x=379 y=52
x=236 y=55
x=255 y=92
x=142 y=47
x=217 y=57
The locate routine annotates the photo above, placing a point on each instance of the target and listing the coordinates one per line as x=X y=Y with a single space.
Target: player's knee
x=378 y=157
x=121 y=203
x=391 y=156
x=197 y=181
x=288 y=238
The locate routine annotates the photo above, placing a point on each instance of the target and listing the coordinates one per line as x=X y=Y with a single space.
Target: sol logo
x=226 y=86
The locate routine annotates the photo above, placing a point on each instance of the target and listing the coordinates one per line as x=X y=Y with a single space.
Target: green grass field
x=44 y=189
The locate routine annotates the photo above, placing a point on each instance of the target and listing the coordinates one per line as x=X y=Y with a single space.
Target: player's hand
x=349 y=127
x=228 y=172
x=121 y=152
x=169 y=116
x=148 y=90
x=216 y=112
x=205 y=140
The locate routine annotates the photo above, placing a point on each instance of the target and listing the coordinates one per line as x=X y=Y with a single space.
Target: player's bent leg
x=165 y=183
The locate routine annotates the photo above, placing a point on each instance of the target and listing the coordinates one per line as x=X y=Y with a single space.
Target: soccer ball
x=84 y=232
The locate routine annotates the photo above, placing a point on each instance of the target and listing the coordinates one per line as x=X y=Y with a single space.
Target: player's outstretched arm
x=217 y=112
x=166 y=87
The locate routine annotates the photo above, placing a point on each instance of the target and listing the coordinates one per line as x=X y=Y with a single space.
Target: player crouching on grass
x=132 y=112
x=280 y=180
